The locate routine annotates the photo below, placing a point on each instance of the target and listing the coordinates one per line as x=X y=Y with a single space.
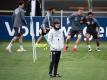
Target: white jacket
x=56 y=40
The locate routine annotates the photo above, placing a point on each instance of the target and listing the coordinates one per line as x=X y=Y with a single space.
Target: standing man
x=18 y=21
x=56 y=42
x=93 y=29
x=46 y=24
x=76 y=21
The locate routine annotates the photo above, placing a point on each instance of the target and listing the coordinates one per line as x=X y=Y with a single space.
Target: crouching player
x=92 y=29
x=56 y=42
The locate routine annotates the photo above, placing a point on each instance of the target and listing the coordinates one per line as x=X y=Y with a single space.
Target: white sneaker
x=8 y=49
x=21 y=50
x=89 y=49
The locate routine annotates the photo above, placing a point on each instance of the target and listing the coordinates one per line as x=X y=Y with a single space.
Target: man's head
x=57 y=24
x=80 y=10
x=52 y=10
x=21 y=3
x=90 y=14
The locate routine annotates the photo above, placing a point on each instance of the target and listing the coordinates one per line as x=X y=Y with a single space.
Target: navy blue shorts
x=74 y=32
x=93 y=33
x=18 y=31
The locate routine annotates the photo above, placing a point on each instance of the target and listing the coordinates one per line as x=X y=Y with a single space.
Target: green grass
x=82 y=65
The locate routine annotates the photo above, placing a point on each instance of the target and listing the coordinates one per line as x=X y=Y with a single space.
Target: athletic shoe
x=89 y=49
x=98 y=49
x=65 y=48
x=57 y=75
x=21 y=50
x=74 y=49
x=52 y=76
x=8 y=49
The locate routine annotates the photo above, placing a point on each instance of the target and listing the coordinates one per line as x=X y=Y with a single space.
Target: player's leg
x=88 y=41
x=52 y=63
x=70 y=35
x=43 y=32
x=21 y=44
x=67 y=42
x=96 y=37
x=20 y=35
x=58 y=53
x=79 y=36
x=39 y=39
x=15 y=38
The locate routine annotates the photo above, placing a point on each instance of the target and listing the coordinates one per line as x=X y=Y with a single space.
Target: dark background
x=66 y=5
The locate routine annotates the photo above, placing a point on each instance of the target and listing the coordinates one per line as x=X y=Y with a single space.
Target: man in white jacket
x=56 y=42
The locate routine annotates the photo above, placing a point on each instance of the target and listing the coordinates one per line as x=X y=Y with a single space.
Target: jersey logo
x=16 y=11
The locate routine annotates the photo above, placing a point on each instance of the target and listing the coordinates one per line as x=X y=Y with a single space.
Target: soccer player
x=92 y=29
x=46 y=24
x=76 y=21
x=18 y=21
x=56 y=42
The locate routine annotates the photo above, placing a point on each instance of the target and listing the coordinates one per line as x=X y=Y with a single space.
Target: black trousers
x=55 y=57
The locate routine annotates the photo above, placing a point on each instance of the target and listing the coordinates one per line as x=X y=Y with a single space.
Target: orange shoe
x=65 y=48
x=74 y=49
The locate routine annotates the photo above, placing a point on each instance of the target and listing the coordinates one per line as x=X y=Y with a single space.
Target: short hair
x=50 y=9
x=90 y=13
x=56 y=21
x=21 y=2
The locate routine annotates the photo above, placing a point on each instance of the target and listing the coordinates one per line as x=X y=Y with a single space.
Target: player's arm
x=45 y=20
x=50 y=39
x=84 y=20
x=62 y=38
x=22 y=12
x=69 y=18
x=97 y=24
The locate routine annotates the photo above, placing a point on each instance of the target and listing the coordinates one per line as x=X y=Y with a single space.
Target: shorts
x=18 y=31
x=94 y=34
x=73 y=32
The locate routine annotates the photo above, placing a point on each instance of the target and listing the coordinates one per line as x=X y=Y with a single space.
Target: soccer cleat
x=65 y=48
x=74 y=49
x=98 y=49
x=89 y=49
x=8 y=49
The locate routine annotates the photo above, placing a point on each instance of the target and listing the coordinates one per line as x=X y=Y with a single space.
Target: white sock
x=75 y=46
x=21 y=47
x=88 y=46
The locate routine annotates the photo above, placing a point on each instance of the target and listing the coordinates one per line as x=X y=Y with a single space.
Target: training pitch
x=82 y=65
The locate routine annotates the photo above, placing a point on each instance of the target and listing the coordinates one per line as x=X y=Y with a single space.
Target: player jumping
x=76 y=21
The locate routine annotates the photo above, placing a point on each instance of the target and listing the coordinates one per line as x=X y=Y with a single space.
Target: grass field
x=82 y=65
